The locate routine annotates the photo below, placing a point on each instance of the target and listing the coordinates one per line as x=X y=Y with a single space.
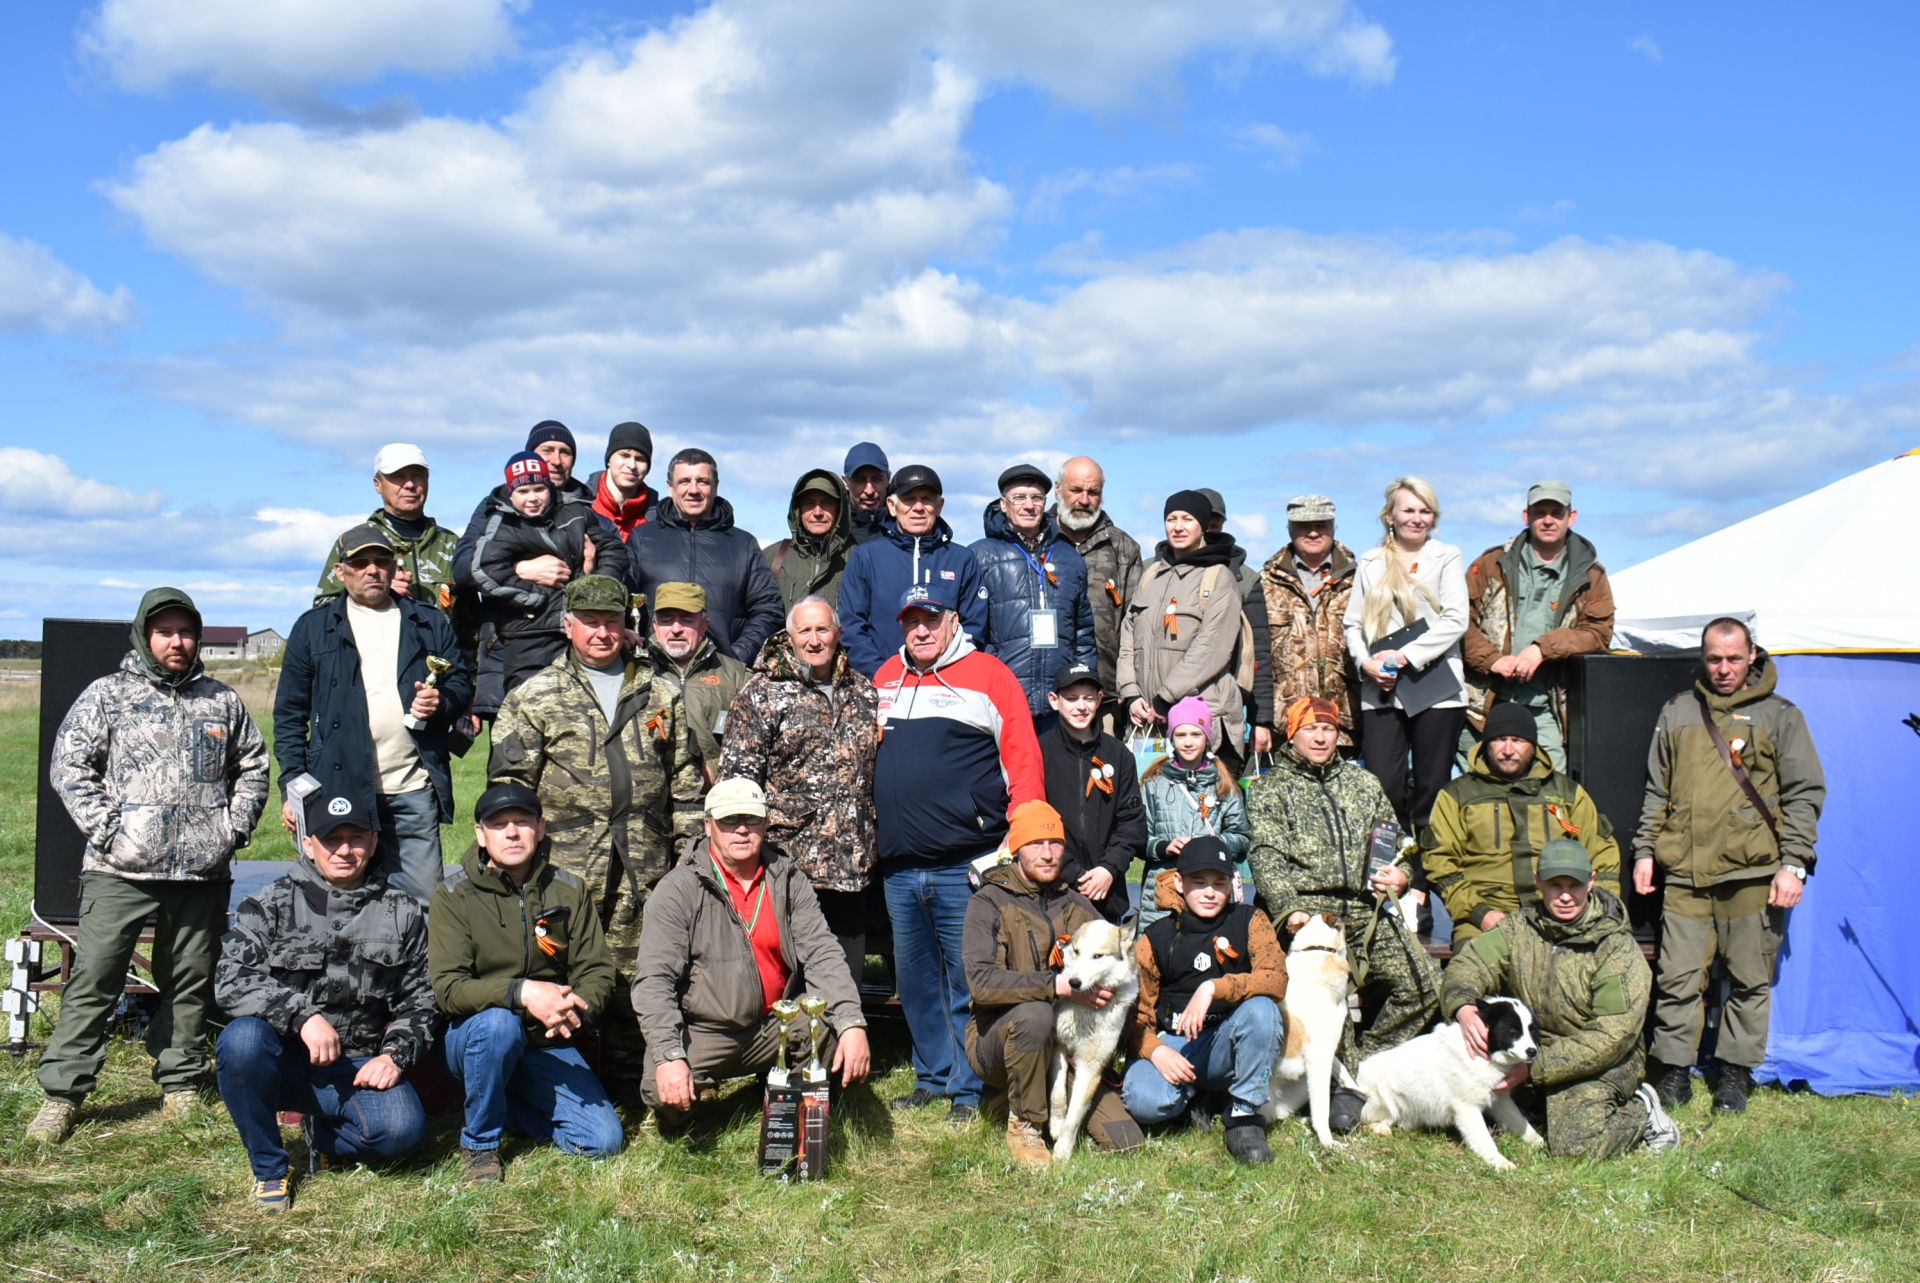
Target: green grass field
x=1799 y=1189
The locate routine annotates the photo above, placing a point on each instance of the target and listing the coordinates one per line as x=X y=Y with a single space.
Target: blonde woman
x=1409 y=578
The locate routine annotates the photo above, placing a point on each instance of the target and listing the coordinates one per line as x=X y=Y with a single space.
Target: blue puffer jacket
x=878 y=575
x=1015 y=589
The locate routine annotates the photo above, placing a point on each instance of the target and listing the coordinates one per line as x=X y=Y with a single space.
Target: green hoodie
x=804 y=566
x=157 y=600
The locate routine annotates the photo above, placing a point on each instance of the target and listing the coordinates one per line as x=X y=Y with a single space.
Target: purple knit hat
x=1191 y=711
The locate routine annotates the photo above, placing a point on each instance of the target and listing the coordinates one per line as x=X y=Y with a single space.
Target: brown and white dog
x=1316 y=1008
x=1099 y=955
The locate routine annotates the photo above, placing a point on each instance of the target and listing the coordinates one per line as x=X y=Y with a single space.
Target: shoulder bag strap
x=1739 y=771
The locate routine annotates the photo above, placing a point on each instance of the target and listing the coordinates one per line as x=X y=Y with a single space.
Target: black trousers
x=1388 y=737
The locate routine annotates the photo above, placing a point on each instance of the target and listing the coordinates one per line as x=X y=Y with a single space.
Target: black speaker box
x=1613 y=702
x=73 y=653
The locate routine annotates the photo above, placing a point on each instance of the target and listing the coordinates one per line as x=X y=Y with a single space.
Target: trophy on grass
x=436 y=669
x=816 y=1096
x=780 y=1115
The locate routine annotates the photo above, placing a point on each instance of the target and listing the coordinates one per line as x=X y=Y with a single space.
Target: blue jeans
x=546 y=1092
x=410 y=839
x=929 y=909
x=1239 y=1054
x=260 y=1073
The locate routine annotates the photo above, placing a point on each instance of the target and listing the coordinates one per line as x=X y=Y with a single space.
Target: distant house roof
x=223 y=635
x=263 y=632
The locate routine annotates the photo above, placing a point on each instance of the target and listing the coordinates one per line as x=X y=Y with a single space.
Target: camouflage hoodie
x=811 y=745
x=304 y=947
x=164 y=773
x=1305 y=641
x=1310 y=828
x=1586 y=981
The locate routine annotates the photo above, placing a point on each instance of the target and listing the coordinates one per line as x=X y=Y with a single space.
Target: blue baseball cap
x=924 y=597
x=864 y=455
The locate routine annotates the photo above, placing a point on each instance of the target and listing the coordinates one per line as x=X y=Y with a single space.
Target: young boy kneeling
x=1212 y=975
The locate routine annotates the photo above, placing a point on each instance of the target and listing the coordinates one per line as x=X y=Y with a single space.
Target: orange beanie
x=1033 y=821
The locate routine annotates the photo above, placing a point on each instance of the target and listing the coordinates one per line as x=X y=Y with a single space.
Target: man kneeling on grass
x=729 y=932
x=1207 y=1020
x=325 y=975
x=518 y=962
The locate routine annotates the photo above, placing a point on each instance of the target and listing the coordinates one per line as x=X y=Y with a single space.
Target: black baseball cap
x=912 y=477
x=1074 y=674
x=1204 y=852
x=506 y=796
x=329 y=811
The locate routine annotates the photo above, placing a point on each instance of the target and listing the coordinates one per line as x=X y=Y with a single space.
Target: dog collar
x=1316 y=948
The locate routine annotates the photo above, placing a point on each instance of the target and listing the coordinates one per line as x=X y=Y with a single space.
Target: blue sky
x=1662 y=251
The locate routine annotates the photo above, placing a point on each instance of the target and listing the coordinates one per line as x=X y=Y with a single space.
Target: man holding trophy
x=736 y=964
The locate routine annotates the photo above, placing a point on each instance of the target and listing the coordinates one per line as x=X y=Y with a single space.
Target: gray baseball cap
x=1554 y=490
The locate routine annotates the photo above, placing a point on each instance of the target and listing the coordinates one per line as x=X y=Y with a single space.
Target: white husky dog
x=1433 y=1081
x=1316 y=1007
x=1098 y=956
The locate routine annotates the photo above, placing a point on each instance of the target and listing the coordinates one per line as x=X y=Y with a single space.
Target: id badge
x=1046 y=628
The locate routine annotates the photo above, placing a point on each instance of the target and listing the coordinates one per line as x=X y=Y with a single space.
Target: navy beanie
x=551 y=430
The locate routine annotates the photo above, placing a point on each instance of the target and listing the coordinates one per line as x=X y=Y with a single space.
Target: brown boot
x=1028 y=1147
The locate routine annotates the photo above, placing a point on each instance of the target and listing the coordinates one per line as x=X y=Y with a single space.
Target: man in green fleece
x=518 y=963
x=1732 y=826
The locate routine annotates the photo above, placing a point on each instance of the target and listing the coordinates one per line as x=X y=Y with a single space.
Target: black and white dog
x=1433 y=1081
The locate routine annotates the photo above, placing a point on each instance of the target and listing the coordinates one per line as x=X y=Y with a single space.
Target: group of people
x=716 y=770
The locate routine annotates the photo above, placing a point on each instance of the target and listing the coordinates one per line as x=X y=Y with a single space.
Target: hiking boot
x=54 y=1122
x=1247 y=1139
x=177 y=1104
x=1674 y=1085
x=1026 y=1145
x=480 y=1166
x=1343 y=1110
x=1662 y=1133
x=918 y=1098
x=272 y=1196
x=959 y=1115
x=1730 y=1093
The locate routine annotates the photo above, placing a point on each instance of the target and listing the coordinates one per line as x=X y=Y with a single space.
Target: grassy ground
x=1799 y=1188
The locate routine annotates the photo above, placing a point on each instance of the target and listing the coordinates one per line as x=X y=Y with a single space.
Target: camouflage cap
x=1564 y=858
x=597 y=592
x=676 y=595
x=1310 y=507
x=363 y=538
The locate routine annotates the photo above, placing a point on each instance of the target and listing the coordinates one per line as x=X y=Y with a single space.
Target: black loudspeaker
x=73 y=653
x=1613 y=702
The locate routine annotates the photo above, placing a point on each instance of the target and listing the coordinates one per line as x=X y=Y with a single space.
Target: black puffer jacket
x=1016 y=589
x=519 y=607
x=743 y=602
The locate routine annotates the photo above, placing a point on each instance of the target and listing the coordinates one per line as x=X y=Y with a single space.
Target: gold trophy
x=815 y=1007
x=780 y=1122
x=816 y=1099
x=436 y=669
x=786 y=1011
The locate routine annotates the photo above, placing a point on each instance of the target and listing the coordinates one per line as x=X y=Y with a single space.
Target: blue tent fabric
x=1846 y=998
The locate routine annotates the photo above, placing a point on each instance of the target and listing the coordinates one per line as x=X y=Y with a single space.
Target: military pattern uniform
x=1588 y=987
x=1486 y=832
x=699 y=695
x=1309 y=855
x=303 y=947
x=1306 y=641
x=428 y=559
x=604 y=789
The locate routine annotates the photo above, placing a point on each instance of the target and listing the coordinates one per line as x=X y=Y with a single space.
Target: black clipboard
x=1418 y=689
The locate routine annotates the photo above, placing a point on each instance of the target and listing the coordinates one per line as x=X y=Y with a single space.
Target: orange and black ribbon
x=544 y=939
x=1222 y=950
x=1172 y=622
x=658 y=724
x=1113 y=592
x=1571 y=829
x=1058 y=959
x=1100 y=777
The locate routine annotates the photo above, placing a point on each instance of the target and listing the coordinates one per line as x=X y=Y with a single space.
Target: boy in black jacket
x=535 y=519
x=1093 y=783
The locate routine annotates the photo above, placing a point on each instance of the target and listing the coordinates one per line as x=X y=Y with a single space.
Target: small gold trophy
x=436 y=669
x=816 y=1099
x=815 y=1007
x=780 y=1114
x=786 y=1011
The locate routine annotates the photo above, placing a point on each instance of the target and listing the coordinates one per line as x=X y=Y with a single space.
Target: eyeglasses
x=739 y=821
x=365 y=563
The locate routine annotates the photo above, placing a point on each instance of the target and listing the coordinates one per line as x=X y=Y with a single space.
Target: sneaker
x=1730 y=1093
x=318 y=1160
x=273 y=1195
x=1343 y=1110
x=1203 y=1110
x=480 y=1166
x=1024 y=1142
x=918 y=1098
x=1662 y=1133
x=54 y=1122
x=1674 y=1085
x=1247 y=1139
x=177 y=1104
x=959 y=1115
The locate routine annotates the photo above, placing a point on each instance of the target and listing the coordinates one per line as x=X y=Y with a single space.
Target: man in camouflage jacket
x=805 y=728
x=324 y=974
x=165 y=775
x=1311 y=816
x=698 y=681
x=1571 y=957
x=1302 y=595
x=602 y=772
x=423 y=547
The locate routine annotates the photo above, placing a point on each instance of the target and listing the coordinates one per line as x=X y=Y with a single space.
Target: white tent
x=1832 y=571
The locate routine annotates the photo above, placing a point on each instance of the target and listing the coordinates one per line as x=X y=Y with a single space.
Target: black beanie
x=1191 y=502
x=1511 y=719
x=631 y=436
x=550 y=430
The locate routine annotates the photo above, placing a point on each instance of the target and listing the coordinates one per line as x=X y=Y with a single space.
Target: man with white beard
x=1112 y=557
x=689 y=670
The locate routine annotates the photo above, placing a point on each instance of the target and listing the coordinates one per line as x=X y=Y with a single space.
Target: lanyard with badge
x=760 y=900
x=1045 y=622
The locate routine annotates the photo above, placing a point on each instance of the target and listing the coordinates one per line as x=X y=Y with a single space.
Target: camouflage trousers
x=1400 y=997
x=621 y=900
x=1734 y=920
x=1591 y=1119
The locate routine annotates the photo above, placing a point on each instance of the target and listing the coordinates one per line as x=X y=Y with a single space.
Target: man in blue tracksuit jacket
x=915 y=547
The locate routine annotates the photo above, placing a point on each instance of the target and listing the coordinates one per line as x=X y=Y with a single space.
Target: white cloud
x=35 y=484
x=39 y=292
x=1647 y=47
x=1282 y=148
x=283 y=49
x=1050 y=195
